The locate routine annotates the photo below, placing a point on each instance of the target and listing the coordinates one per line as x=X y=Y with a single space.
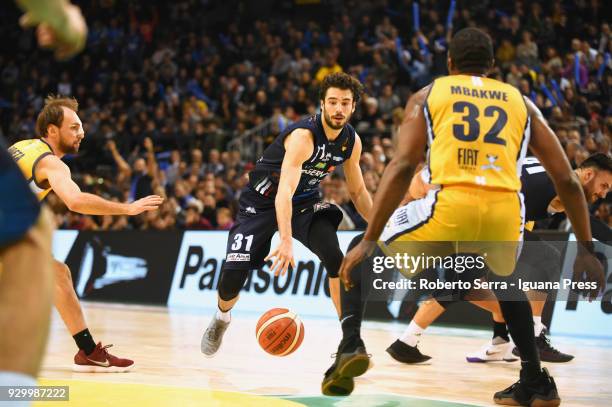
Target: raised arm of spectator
x=125 y=172
x=151 y=161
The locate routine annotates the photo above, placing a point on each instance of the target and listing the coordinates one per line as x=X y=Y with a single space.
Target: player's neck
x=54 y=148
x=456 y=72
x=330 y=133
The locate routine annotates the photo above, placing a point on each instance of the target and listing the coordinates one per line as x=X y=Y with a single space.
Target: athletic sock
x=500 y=330
x=412 y=334
x=538 y=326
x=517 y=315
x=351 y=327
x=85 y=341
x=223 y=316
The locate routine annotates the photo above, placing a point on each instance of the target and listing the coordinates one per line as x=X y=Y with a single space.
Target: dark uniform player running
x=283 y=195
x=478 y=201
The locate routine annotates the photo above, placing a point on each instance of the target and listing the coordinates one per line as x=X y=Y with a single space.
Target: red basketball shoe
x=100 y=361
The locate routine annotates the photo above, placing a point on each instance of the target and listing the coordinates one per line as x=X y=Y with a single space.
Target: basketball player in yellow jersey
x=61 y=133
x=477 y=131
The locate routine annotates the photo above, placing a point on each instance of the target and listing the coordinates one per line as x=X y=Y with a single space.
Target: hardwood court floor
x=170 y=370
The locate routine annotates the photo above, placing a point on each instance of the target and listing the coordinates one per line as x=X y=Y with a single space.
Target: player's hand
x=111 y=145
x=66 y=34
x=592 y=268
x=148 y=203
x=356 y=255
x=284 y=258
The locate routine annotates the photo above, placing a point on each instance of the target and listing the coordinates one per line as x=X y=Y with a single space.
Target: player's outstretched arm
x=396 y=178
x=298 y=148
x=354 y=181
x=58 y=175
x=547 y=148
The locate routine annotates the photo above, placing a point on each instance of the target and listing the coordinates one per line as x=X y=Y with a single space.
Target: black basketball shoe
x=405 y=353
x=350 y=362
x=548 y=353
x=541 y=392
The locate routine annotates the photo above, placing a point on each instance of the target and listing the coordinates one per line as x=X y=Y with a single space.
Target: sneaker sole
x=101 y=369
x=479 y=360
x=397 y=358
x=341 y=382
x=556 y=360
x=355 y=366
x=210 y=355
x=338 y=386
x=547 y=360
x=535 y=402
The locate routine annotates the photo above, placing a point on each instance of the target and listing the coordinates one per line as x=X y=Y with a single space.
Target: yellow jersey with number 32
x=478 y=132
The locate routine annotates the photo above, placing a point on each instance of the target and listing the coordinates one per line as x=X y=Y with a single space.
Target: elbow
x=569 y=182
x=73 y=204
x=282 y=196
x=403 y=166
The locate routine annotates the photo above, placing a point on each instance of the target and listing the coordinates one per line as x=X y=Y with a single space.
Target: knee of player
x=356 y=241
x=62 y=272
x=230 y=283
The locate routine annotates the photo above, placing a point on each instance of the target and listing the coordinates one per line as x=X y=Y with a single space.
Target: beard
x=590 y=196
x=69 y=147
x=330 y=123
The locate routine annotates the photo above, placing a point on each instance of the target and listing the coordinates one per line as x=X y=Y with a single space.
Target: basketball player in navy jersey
x=537 y=263
x=283 y=194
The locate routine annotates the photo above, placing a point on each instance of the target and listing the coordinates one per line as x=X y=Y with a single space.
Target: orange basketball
x=279 y=332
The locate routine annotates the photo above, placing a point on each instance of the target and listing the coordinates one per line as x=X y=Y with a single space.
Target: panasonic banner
x=304 y=290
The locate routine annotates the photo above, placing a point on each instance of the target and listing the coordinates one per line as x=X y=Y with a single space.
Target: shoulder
x=299 y=136
x=356 y=151
x=421 y=96
x=299 y=143
x=51 y=162
x=416 y=102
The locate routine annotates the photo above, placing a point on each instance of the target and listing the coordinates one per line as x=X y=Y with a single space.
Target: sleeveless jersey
x=478 y=132
x=27 y=154
x=327 y=155
x=538 y=190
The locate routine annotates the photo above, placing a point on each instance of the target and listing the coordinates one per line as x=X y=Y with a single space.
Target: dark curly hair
x=599 y=161
x=471 y=51
x=342 y=81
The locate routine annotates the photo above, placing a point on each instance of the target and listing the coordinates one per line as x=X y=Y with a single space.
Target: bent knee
x=62 y=272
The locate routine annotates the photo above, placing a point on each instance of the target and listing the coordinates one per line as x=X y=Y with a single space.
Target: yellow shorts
x=459 y=219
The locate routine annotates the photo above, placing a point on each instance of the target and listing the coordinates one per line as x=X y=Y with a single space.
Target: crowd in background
x=164 y=87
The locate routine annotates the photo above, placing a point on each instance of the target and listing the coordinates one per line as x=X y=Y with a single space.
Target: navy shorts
x=19 y=208
x=249 y=239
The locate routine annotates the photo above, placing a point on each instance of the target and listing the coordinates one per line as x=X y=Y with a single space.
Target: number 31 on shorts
x=237 y=245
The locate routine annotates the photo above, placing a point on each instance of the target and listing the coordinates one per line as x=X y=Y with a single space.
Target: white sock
x=538 y=326
x=498 y=340
x=223 y=316
x=412 y=334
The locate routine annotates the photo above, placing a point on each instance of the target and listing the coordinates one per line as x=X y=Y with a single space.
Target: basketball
x=279 y=332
